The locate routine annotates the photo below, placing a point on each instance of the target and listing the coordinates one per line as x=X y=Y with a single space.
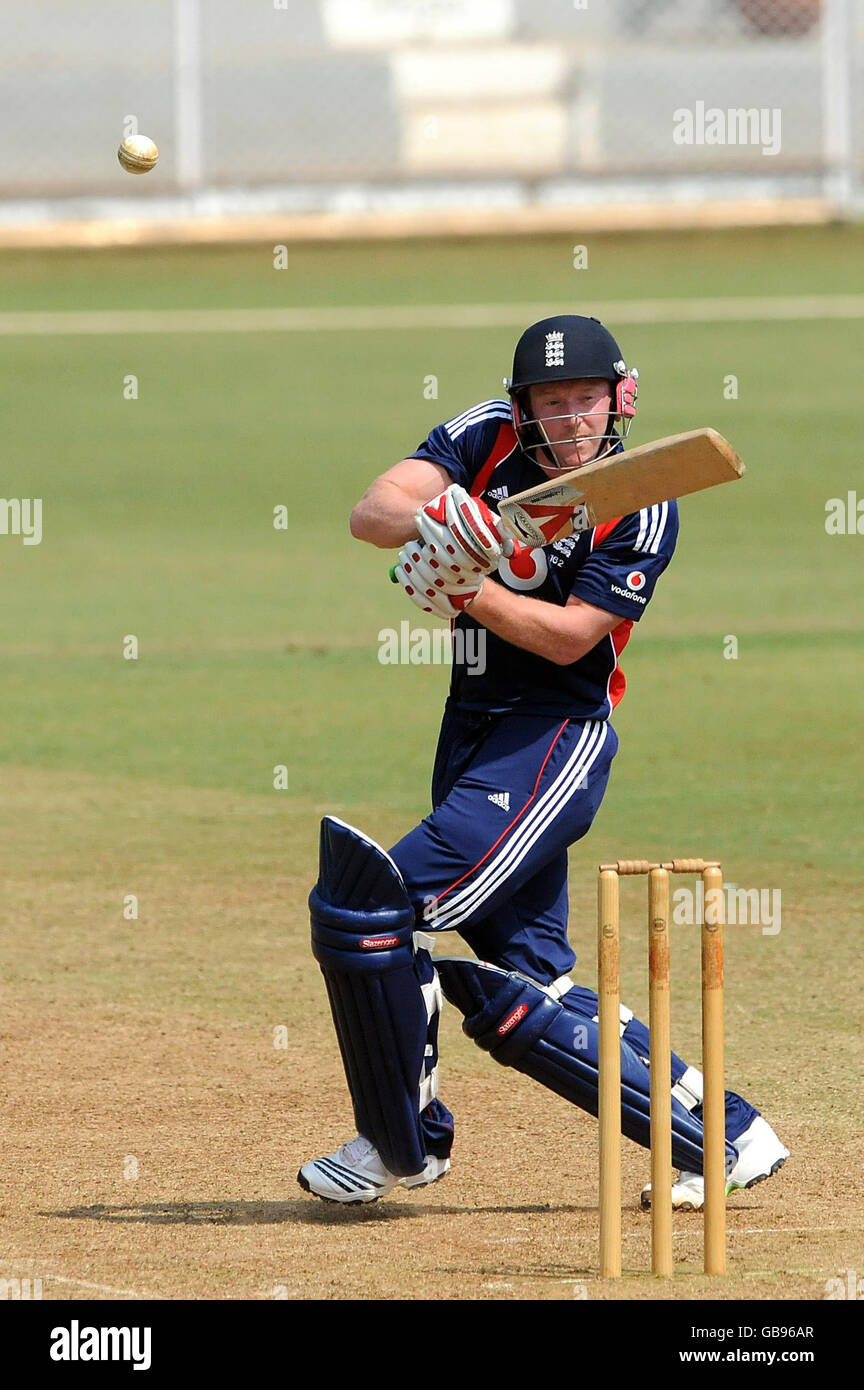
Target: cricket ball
x=137 y=154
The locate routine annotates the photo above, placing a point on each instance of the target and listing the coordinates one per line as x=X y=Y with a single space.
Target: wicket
x=659 y=1021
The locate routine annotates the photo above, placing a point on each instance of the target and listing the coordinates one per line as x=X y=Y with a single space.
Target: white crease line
x=794 y=1230
x=101 y=1288
x=343 y=318
x=763 y=1230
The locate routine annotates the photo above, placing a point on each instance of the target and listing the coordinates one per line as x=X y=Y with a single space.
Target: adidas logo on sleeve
x=501 y=799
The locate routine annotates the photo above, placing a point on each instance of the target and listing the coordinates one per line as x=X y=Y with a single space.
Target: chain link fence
x=560 y=99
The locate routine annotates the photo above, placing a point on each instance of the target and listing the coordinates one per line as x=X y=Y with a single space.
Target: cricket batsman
x=523 y=760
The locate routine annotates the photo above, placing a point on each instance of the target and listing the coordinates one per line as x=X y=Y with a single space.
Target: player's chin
x=570 y=459
x=590 y=450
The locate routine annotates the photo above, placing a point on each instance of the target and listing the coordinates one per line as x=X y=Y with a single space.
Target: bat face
x=620 y=484
x=541 y=523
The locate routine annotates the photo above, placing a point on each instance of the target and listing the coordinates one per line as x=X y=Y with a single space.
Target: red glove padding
x=462 y=533
x=427 y=583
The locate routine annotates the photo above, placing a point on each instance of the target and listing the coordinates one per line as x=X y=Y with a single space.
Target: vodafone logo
x=514 y=1018
x=527 y=569
x=635 y=580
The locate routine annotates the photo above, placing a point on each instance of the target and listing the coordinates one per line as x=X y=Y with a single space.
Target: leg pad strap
x=525 y=1026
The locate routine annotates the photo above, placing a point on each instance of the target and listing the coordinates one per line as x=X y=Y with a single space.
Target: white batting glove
x=430 y=587
x=462 y=533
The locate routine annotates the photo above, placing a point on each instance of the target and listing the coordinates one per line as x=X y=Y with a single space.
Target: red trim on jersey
x=603 y=531
x=617 y=681
x=513 y=822
x=621 y=634
x=505 y=443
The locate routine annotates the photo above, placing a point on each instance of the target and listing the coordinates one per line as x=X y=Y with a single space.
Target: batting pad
x=522 y=1025
x=363 y=940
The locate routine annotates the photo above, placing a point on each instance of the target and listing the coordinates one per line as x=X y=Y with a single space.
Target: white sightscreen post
x=188 y=121
x=837 y=39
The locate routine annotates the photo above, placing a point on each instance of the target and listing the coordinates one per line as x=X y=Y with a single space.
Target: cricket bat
x=620 y=484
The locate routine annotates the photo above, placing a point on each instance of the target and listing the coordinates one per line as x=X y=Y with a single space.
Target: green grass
x=259 y=647
x=623 y=266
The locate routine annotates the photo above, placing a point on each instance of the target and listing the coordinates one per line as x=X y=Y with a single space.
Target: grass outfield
x=154 y=1038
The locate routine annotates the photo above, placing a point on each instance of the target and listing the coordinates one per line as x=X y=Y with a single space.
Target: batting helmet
x=569 y=347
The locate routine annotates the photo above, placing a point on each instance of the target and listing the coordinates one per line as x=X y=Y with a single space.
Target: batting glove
x=462 y=533
x=427 y=584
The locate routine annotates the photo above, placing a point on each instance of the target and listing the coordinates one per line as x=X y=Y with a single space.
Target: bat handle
x=511 y=542
x=392 y=573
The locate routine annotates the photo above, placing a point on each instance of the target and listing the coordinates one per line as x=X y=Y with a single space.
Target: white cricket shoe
x=760 y=1156
x=688 y=1193
x=355 y=1173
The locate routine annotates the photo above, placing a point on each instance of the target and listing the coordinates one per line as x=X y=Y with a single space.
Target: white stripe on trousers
x=579 y=764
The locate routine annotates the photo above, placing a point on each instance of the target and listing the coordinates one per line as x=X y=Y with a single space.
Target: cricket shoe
x=688 y=1193
x=760 y=1156
x=355 y=1173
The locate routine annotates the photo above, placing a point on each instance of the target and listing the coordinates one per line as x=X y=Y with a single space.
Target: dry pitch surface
x=215 y=1119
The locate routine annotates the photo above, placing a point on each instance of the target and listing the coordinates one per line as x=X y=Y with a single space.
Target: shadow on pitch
x=302 y=1211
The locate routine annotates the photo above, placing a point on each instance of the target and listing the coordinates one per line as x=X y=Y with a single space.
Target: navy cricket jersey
x=614 y=566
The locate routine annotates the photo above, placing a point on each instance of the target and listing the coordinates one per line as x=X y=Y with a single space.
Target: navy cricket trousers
x=510 y=793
